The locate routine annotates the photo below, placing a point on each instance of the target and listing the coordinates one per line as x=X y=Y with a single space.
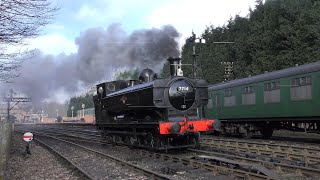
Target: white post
x=83 y=110
x=41 y=119
x=72 y=108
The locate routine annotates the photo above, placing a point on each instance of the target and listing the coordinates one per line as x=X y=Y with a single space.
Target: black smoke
x=100 y=53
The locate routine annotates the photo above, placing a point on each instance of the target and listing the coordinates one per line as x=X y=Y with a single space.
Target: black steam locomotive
x=154 y=113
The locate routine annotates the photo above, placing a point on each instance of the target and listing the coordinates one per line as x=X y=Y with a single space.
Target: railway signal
x=228 y=70
x=194 y=40
x=17 y=99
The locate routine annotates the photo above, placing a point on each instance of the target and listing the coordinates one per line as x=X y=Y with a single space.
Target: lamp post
x=83 y=109
x=41 y=118
x=100 y=90
x=57 y=112
x=72 y=108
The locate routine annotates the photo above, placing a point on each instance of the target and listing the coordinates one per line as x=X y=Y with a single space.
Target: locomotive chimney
x=175 y=66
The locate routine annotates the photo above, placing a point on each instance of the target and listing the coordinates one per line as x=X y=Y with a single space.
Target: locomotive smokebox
x=175 y=66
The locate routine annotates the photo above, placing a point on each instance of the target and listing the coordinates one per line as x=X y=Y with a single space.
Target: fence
x=5 y=142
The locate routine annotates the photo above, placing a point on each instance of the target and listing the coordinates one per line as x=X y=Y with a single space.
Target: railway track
x=303 y=169
x=218 y=163
x=216 y=169
x=74 y=159
x=189 y=164
x=281 y=168
x=61 y=156
x=193 y=163
x=307 y=155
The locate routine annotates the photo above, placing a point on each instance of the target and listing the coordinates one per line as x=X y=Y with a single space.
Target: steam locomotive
x=154 y=113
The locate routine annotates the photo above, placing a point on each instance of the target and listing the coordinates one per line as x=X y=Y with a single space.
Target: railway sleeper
x=239 y=165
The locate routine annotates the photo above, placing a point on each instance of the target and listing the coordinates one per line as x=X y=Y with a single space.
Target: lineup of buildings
x=18 y=115
x=21 y=116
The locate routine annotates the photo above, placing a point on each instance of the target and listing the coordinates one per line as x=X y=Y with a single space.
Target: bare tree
x=19 y=20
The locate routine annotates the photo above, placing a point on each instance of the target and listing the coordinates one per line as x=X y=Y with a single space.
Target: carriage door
x=216 y=104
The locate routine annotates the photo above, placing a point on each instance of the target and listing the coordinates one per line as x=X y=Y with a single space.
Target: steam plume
x=100 y=53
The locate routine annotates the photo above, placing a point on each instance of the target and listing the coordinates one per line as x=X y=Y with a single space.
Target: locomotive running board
x=240 y=165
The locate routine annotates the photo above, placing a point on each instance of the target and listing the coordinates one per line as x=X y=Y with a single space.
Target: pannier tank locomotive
x=154 y=113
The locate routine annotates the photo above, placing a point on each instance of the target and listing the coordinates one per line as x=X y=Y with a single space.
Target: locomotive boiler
x=152 y=112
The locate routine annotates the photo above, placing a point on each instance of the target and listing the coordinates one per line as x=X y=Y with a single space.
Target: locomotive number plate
x=183 y=88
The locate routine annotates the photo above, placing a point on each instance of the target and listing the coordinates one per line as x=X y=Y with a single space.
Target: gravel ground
x=97 y=166
x=41 y=164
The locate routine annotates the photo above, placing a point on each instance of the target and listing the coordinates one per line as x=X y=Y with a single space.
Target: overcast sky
x=75 y=17
x=94 y=23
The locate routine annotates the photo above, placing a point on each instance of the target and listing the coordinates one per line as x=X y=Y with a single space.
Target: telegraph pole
x=11 y=92
x=10 y=98
x=8 y=111
x=194 y=56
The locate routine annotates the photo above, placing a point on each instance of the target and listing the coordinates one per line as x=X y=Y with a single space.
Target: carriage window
x=272 y=92
x=228 y=93
x=229 y=98
x=272 y=86
x=308 y=80
x=248 y=96
x=301 y=88
x=248 y=89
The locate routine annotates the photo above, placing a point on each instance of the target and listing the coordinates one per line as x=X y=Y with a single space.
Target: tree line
x=277 y=34
x=77 y=102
